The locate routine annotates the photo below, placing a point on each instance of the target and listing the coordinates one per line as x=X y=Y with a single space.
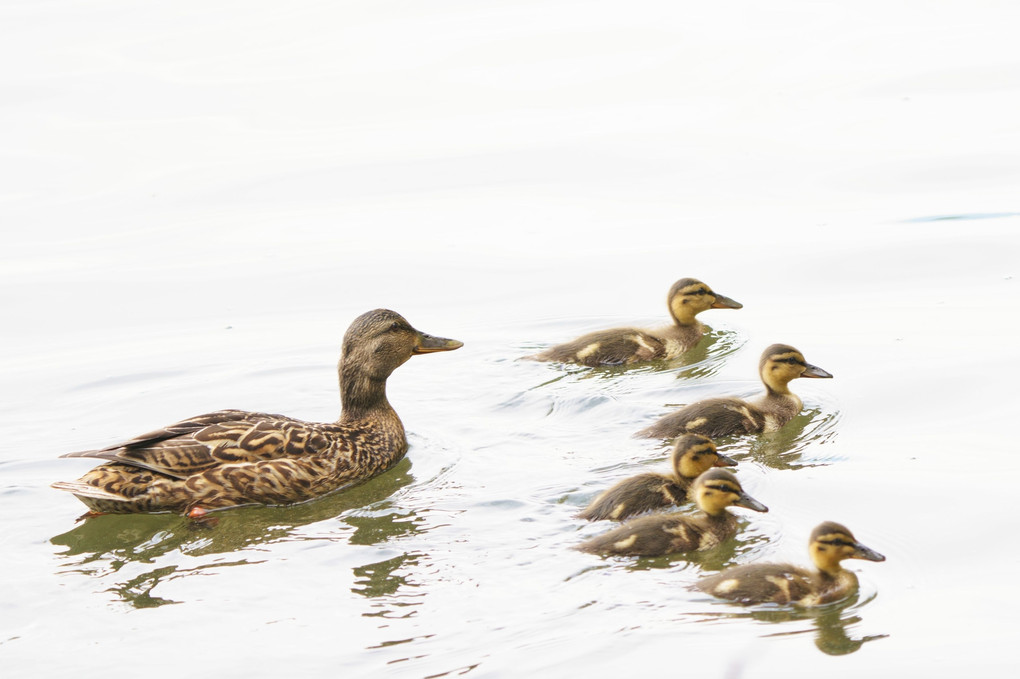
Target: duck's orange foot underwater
x=196 y=513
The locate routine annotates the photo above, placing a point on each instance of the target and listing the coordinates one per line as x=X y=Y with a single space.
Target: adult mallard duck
x=785 y=584
x=620 y=346
x=716 y=417
x=692 y=455
x=234 y=457
x=668 y=533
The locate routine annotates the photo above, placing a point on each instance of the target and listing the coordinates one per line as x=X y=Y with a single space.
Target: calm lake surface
x=197 y=199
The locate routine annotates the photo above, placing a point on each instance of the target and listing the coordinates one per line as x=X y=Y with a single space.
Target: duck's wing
x=618 y=346
x=761 y=583
x=636 y=495
x=207 y=441
x=712 y=417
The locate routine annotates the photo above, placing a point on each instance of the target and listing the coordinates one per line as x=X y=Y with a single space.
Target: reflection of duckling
x=687 y=298
x=692 y=455
x=784 y=584
x=658 y=534
x=715 y=417
x=234 y=457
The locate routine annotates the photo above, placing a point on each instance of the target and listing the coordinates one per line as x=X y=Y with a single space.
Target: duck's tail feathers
x=86 y=490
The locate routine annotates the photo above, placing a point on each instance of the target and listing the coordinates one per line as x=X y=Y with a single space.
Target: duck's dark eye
x=395 y=325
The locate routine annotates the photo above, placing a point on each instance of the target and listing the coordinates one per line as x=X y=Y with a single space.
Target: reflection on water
x=706 y=358
x=832 y=624
x=100 y=546
x=798 y=444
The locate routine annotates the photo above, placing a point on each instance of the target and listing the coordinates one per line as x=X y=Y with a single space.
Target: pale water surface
x=197 y=198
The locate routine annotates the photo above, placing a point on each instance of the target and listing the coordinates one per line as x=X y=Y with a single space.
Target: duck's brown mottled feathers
x=204 y=442
x=233 y=457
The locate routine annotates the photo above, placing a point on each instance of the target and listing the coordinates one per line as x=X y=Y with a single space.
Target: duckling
x=234 y=457
x=622 y=346
x=786 y=584
x=692 y=455
x=667 y=533
x=716 y=417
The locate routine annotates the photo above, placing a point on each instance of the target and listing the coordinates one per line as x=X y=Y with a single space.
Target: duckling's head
x=379 y=341
x=717 y=489
x=781 y=363
x=832 y=542
x=689 y=297
x=694 y=454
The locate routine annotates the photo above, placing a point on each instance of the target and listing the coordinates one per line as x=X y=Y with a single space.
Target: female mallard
x=620 y=346
x=785 y=584
x=234 y=457
x=692 y=455
x=716 y=417
x=658 y=534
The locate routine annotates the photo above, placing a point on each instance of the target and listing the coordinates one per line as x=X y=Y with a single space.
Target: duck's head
x=689 y=297
x=379 y=341
x=832 y=542
x=717 y=489
x=694 y=454
x=781 y=363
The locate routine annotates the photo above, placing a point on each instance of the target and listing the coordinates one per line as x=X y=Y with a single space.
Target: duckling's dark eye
x=702 y=291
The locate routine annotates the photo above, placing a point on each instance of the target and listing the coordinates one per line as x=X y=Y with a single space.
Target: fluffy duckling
x=235 y=457
x=621 y=346
x=692 y=455
x=716 y=417
x=658 y=534
x=786 y=584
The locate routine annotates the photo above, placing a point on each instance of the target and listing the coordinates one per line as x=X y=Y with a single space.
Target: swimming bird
x=234 y=457
x=668 y=533
x=692 y=455
x=622 y=346
x=716 y=417
x=786 y=584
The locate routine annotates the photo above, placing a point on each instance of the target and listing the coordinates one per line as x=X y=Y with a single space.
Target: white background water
x=197 y=199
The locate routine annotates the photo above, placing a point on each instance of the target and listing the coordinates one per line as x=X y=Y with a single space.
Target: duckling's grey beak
x=815 y=371
x=428 y=344
x=862 y=552
x=724 y=461
x=749 y=502
x=724 y=302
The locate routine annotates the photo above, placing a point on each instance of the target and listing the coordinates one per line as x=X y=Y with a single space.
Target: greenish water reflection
x=794 y=446
x=832 y=625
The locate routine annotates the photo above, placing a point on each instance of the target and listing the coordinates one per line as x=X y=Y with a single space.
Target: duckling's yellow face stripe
x=690 y=300
x=829 y=549
x=779 y=368
x=696 y=459
x=717 y=494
